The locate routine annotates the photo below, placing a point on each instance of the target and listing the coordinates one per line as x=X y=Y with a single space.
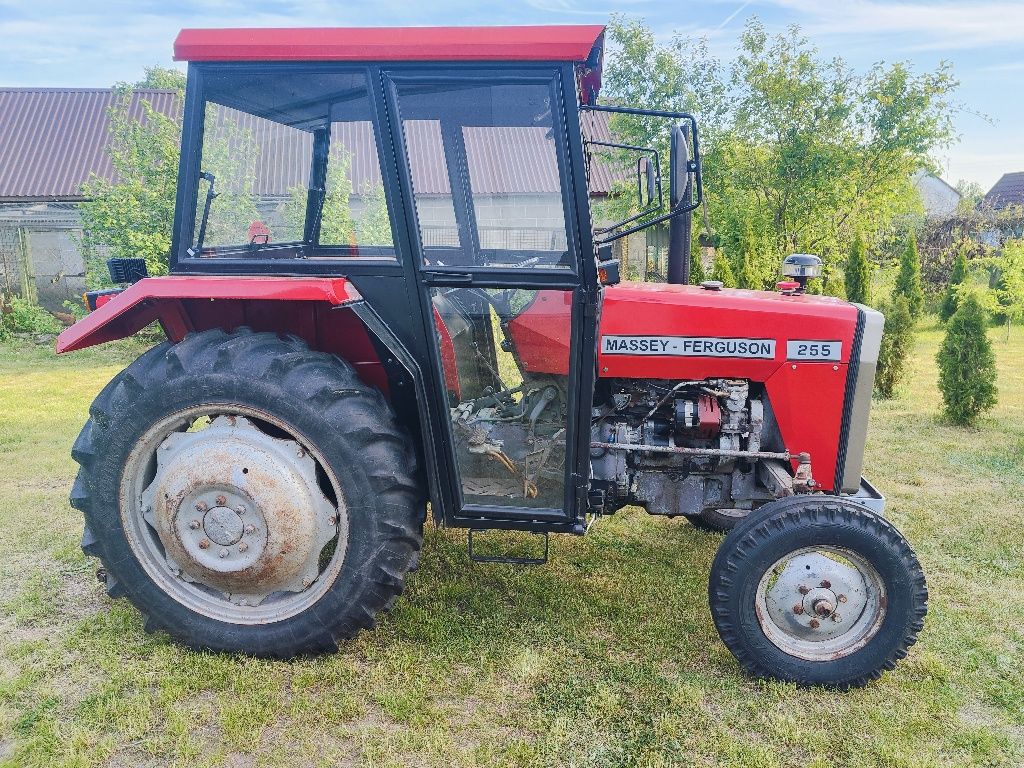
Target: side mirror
x=679 y=165
x=649 y=175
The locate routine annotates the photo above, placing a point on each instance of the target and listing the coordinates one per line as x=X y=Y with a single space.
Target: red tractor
x=386 y=289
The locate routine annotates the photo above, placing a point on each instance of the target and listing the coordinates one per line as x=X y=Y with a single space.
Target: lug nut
x=242 y=547
x=836 y=618
x=201 y=506
x=826 y=584
x=249 y=529
x=842 y=598
x=221 y=501
x=204 y=544
x=222 y=554
x=815 y=623
x=240 y=509
x=306 y=583
x=194 y=525
x=804 y=590
x=798 y=609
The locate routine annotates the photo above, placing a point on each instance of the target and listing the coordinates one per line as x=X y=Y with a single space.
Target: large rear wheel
x=818 y=591
x=248 y=494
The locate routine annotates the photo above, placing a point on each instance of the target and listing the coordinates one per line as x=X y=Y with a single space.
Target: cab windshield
x=289 y=168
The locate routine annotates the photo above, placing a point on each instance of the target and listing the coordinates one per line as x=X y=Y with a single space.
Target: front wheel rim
x=821 y=603
x=251 y=544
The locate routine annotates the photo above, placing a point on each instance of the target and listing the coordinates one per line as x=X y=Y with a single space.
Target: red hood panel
x=658 y=331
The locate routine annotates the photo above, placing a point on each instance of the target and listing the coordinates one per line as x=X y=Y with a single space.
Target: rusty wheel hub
x=240 y=512
x=820 y=603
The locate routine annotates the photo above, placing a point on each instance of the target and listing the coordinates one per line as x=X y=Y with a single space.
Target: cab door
x=492 y=185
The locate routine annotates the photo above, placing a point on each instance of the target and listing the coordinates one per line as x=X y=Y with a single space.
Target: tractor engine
x=683 y=447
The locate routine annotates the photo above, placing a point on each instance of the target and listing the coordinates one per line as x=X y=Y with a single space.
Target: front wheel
x=817 y=591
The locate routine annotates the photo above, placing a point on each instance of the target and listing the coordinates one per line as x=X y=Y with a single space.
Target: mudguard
x=171 y=302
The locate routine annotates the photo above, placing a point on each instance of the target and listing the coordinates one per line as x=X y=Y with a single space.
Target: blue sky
x=78 y=43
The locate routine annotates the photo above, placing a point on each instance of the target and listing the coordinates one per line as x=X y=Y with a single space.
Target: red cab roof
x=537 y=43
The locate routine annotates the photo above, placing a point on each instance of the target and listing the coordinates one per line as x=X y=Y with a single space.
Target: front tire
x=817 y=591
x=248 y=494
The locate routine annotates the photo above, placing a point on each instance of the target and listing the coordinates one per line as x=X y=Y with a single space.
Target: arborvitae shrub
x=897 y=341
x=697 y=275
x=722 y=270
x=967 y=365
x=858 y=273
x=908 y=281
x=956 y=278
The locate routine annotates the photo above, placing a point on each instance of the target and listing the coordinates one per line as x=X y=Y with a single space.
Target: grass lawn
x=605 y=657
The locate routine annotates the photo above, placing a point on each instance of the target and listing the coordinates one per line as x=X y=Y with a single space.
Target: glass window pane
x=263 y=133
x=485 y=175
x=505 y=355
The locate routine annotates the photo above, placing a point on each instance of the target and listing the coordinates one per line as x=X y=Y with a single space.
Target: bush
x=908 y=281
x=19 y=315
x=897 y=342
x=967 y=365
x=951 y=296
x=722 y=271
x=858 y=273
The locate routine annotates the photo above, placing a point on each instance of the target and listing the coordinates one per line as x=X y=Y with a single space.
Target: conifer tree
x=956 y=278
x=967 y=365
x=897 y=341
x=858 y=273
x=908 y=281
x=722 y=270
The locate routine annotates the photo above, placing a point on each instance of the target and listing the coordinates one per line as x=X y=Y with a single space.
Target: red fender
x=305 y=307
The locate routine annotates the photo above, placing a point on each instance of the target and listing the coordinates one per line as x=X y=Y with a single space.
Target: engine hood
x=682 y=331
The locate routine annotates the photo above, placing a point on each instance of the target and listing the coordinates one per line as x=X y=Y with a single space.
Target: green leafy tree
x=908 y=280
x=162 y=78
x=132 y=216
x=857 y=275
x=956 y=279
x=1010 y=286
x=967 y=366
x=722 y=270
x=802 y=148
x=697 y=275
x=897 y=342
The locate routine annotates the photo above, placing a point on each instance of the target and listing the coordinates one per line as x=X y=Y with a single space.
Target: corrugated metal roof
x=52 y=140
x=1009 y=190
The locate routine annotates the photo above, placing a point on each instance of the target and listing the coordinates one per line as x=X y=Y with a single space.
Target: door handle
x=447 y=278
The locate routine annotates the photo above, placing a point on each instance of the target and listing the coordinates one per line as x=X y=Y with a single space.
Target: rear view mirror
x=679 y=166
x=647 y=174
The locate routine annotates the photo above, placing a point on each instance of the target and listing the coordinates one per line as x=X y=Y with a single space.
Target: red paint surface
x=541 y=333
x=448 y=362
x=526 y=43
x=305 y=307
x=807 y=397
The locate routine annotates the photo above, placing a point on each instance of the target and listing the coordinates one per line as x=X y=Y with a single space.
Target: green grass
x=605 y=657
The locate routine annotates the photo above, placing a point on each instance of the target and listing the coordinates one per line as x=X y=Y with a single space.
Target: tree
x=1010 y=287
x=132 y=216
x=857 y=275
x=721 y=270
x=803 y=149
x=697 y=275
x=958 y=276
x=897 y=341
x=967 y=366
x=162 y=78
x=908 y=281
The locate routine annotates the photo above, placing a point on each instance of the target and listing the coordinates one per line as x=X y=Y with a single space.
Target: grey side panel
x=858 y=431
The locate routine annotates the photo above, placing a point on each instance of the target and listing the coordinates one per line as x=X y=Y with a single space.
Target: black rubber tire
x=784 y=526
x=321 y=398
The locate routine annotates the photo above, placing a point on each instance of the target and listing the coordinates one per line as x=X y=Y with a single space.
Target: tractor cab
x=451 y=191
